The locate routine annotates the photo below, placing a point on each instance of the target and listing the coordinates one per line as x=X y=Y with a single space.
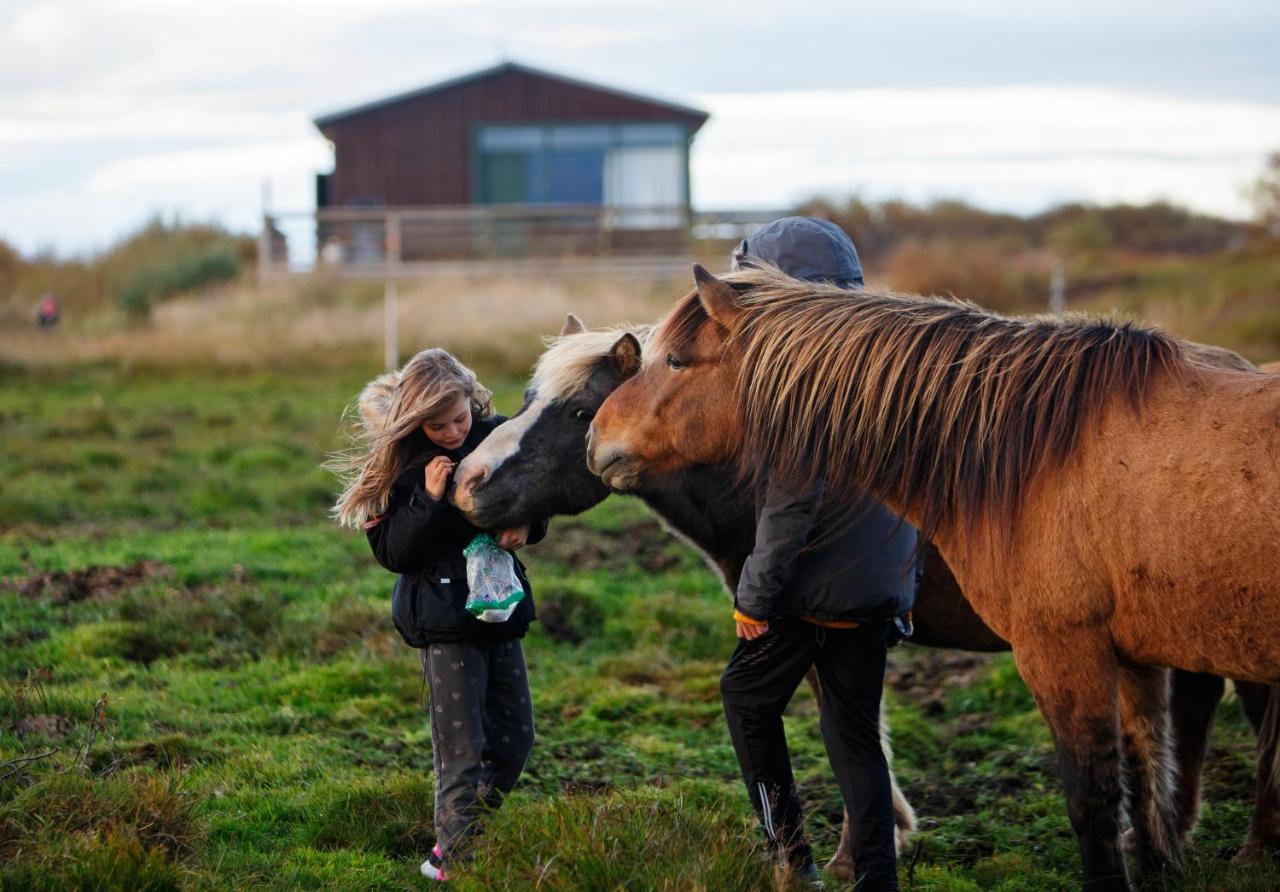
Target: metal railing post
x=390 y=299
x=264 y=249
x=391 y=335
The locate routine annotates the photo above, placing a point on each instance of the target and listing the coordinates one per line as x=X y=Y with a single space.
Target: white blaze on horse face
x=496 y=448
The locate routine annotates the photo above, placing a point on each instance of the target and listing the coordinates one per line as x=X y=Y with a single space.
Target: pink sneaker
x=433 y=867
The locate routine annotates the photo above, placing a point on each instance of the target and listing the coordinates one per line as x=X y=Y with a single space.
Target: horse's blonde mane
x=934 y=403
x=566 y=364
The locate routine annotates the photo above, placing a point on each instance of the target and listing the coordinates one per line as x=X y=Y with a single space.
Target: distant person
x=418 y=424
x=332 y=253
x=809 y=599
x=48 y=313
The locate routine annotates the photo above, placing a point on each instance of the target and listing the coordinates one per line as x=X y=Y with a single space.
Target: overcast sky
x=110 y=111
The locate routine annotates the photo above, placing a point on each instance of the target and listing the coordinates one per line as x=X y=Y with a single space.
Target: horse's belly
x=1229 y=628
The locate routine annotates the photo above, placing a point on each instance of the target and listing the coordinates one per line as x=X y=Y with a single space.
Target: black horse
x=534 y=465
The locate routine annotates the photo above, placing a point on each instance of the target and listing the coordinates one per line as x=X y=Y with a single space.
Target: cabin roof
x=695 y=116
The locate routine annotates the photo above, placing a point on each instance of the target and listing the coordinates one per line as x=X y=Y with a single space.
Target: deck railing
x=410 y=242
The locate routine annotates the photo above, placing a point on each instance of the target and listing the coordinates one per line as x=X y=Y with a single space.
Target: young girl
x=418 y=423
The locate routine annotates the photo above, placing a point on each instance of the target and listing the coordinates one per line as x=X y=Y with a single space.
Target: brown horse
x=1096 y=491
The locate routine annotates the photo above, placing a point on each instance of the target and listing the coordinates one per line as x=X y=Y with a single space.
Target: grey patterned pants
x=481 y=731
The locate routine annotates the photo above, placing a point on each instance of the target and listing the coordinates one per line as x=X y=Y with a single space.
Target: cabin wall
x=419 y=151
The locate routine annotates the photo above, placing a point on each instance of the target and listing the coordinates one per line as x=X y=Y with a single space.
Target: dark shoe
x=809 y=878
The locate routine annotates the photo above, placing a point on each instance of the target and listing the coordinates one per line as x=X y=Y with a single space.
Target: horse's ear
x=572 y=325
x=718 y=297
x=625 y=355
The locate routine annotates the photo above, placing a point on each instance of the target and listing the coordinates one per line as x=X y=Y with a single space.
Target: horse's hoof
x=841 y=866
x=902 y=836
x=1129 y=842
x=1250 y=853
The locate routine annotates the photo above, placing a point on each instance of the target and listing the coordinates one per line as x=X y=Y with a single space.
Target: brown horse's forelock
x=944 y=408
x=677 y=329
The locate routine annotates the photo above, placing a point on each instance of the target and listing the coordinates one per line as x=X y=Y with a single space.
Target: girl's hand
x=436 y=476
x=513 y=538
x=751 y=631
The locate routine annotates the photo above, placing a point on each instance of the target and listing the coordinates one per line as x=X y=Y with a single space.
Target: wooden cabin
x=528 y=145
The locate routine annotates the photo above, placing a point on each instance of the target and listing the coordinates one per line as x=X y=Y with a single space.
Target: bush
x=983 y=272
x=185 y=272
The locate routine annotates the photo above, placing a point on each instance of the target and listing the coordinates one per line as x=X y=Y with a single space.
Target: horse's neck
x=704 y=507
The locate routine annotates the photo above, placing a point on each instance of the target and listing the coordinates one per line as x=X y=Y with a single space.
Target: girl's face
x=449 y=427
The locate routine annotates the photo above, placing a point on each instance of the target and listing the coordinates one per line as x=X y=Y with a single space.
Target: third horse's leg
x=1149 y=764
x=1264 y=831
x=1192 y=705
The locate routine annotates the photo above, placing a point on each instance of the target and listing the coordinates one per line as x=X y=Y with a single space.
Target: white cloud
x=110 y=110
x=1020 y=148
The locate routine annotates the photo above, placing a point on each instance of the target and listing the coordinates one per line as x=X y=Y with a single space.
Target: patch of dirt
x=644 y=544
x=55 y=727
x=555 y=622
x=89 y=583
x=946 y=798
x=1228 y=776
x=26 y=636
x=923 y=675
x=587 y=785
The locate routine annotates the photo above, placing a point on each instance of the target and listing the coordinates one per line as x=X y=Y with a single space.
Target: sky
x=113 y=110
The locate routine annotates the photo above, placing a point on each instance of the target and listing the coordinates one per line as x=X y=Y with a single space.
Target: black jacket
x=422 y=540
x=866 y=572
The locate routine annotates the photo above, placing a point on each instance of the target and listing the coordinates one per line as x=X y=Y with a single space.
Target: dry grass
x=1228 y=298
x=312 y=321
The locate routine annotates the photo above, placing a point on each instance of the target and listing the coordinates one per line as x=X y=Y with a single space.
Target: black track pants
x=481 y=731
x=756 y=687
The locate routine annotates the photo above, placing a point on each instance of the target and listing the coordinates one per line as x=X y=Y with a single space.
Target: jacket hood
x=374 y=402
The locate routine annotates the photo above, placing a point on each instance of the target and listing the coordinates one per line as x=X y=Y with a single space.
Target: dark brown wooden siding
x=418 y=151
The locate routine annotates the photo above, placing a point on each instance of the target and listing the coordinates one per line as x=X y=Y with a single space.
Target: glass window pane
x=510 y=138
x=651 y=134
x=575 y=177
x=579 y=136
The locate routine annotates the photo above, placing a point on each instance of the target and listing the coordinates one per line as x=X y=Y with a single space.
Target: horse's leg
x=1264 y=830
x=1192 y=705
x=1149 y=768
x=1254 y=698
x=1073 y=675
x=904 y=816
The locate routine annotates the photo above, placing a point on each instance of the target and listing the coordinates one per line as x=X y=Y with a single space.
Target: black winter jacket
x=865 y=573
x=422 y=540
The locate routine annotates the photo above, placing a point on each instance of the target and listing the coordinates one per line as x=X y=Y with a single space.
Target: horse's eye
x=584 y=414
x=675 y=364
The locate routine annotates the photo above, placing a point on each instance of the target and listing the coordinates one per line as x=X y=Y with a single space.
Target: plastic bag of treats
x=491 y=577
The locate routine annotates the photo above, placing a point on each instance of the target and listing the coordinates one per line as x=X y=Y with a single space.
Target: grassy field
x=201 y=674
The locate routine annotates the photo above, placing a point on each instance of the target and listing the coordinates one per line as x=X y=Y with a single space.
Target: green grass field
x=201 y=673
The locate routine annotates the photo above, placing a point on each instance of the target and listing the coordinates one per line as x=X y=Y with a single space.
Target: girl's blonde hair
x=391 y=408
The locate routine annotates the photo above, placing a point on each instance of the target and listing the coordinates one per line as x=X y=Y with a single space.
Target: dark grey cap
x=804 y=248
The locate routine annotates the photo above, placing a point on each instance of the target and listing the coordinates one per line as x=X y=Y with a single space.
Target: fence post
x=391 y=334
x=390 y=308
x=392 y=247
x=1058 y=288
x=264 y=249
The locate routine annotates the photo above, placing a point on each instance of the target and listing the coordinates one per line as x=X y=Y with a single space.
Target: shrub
x=983 y=272
x=173 y=275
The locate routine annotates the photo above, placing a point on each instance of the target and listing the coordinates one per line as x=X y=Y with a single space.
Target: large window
x=617 y=165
